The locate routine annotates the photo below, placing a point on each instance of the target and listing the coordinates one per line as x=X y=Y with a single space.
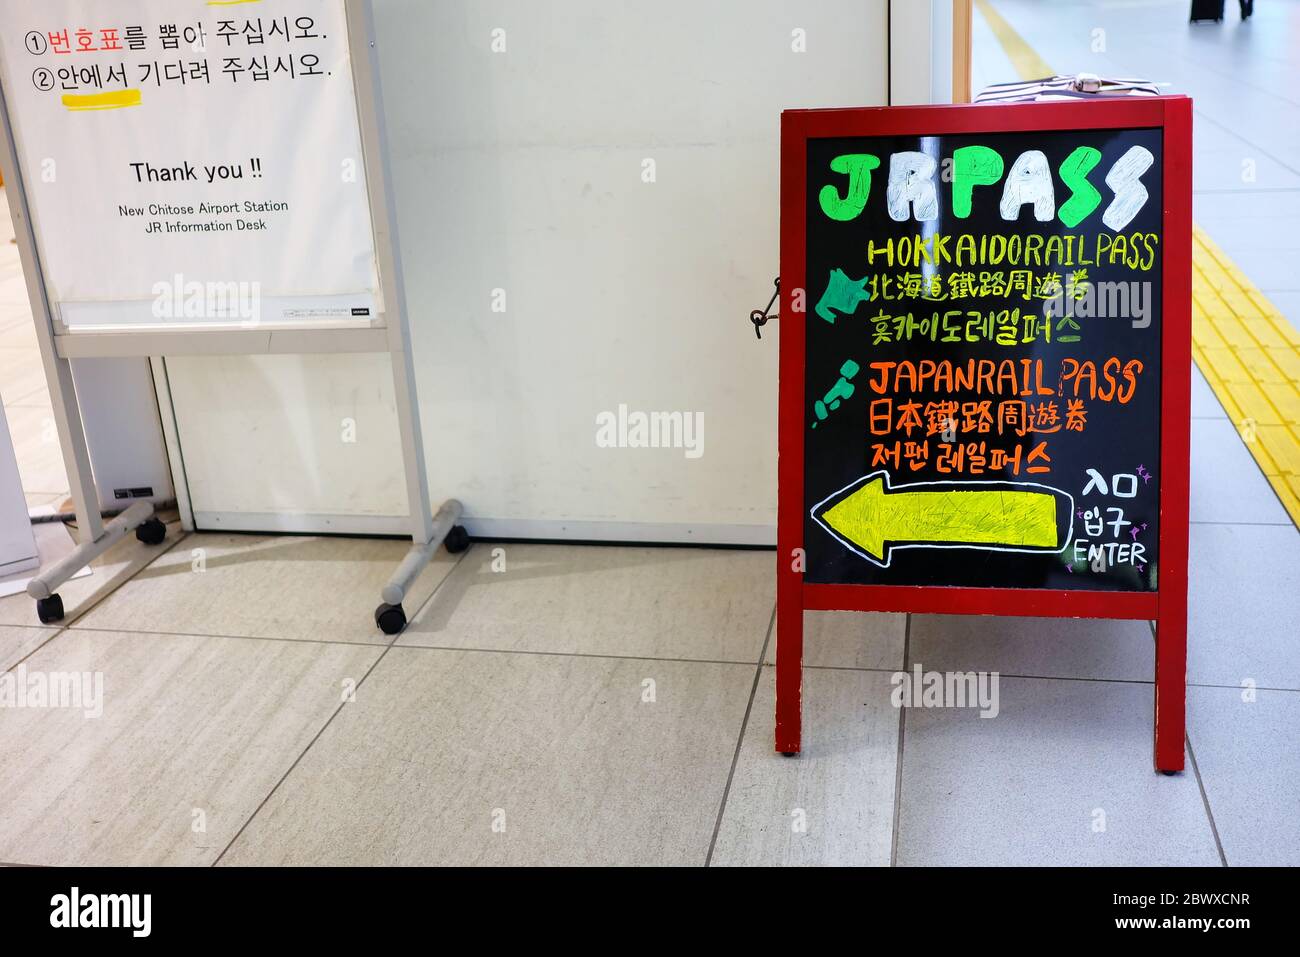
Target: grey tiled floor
x=541 y=728
x=1061 y=776
x=560 y=704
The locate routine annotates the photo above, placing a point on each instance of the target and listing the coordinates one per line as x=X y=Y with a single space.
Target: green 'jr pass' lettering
x=972 y=166
x=1084 y=197
x=858 y=167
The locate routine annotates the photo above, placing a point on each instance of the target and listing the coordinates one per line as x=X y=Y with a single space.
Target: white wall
x=270 y=440
x=522 y=171
x=921 y=37
x=941 y=65
x=119 y=411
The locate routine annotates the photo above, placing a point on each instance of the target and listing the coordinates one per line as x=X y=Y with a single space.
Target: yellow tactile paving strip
x=1250 y=355
x=1247 y=350
x=1023 y=57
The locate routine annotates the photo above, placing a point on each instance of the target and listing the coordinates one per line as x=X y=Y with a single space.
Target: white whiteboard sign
x=192 y=164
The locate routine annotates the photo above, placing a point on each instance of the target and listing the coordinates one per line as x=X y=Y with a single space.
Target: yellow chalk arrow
x=872 y=518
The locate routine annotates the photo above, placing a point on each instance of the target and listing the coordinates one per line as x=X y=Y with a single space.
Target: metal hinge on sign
x=759 y=317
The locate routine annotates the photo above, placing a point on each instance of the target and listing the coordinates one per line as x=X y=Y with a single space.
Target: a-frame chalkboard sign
x=985 y=371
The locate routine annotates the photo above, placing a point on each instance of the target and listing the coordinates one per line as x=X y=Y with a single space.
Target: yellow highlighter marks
x=114 y=100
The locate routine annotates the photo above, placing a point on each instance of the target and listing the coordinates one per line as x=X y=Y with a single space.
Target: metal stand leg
x=390 y=616
x=139 y=517
x=428 y=531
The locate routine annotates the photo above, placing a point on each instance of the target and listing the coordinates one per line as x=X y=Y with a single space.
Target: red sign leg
x=1176 y=413
x=789 y=662
x=1171 y=688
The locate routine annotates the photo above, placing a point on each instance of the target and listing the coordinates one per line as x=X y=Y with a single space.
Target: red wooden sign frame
x=1167 y=606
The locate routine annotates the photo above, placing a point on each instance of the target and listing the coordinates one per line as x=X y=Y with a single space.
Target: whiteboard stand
x=387 y=332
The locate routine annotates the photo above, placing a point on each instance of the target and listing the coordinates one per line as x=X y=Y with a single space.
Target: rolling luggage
x=1207 y=10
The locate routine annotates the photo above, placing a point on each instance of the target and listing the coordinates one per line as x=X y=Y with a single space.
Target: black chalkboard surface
x=982 y=368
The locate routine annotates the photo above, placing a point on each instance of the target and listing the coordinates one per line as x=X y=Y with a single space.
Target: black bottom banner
x=215 y=906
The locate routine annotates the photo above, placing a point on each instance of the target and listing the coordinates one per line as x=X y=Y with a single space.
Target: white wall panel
x=288 y=435
x=522 y=171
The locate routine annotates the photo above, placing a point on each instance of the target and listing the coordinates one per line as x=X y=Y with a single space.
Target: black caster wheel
x=151 y=532
x=49 y=609
x=457 y=540
x=1169 y=774
x=390 y=618
x=790 y=754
